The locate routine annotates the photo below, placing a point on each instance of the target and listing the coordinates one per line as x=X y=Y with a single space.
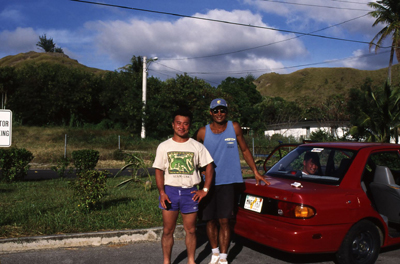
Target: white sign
x=5 y=128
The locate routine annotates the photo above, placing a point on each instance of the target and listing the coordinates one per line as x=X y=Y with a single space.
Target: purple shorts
x=181 y=199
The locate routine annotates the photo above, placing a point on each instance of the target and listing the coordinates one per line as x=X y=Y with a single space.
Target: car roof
x=353 y=145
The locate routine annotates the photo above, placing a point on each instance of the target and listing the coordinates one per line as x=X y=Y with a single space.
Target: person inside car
x=311 y=163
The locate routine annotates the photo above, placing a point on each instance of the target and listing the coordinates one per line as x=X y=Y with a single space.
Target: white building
x=303 y=130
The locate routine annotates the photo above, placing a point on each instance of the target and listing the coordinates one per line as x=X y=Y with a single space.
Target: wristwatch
x=205 y=190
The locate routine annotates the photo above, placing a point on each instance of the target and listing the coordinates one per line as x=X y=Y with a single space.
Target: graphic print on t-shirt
x=180 y=162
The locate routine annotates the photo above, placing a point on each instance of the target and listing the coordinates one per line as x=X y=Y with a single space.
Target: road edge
x=12 y=245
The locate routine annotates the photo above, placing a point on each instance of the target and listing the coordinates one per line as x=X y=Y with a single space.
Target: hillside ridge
x=320 y=82
x=21 y=59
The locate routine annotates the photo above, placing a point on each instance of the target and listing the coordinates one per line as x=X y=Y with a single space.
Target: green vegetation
x=71 y=96
x=49 y=207
x=48 y=45
x=317 y=84
x=376 y=112
x=29 y=208
x=47 y=145
x=85 y=159
x=136 y=162
x=89 y=188
x=21 y=60
x=387 y=12
x=14 y=163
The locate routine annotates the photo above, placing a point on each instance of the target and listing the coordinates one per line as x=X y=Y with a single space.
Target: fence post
x=253 y=146
x=119 y=142
x=65 y=147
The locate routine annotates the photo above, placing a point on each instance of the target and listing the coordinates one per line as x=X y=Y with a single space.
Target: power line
x=265 y=45
x=237 y=24
x=274 y=69
x=331 y=7
x=350 y=2
x=182 y=72
x=221 y=21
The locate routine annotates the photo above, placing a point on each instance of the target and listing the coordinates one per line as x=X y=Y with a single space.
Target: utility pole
x=144 y=92
x=144 y=95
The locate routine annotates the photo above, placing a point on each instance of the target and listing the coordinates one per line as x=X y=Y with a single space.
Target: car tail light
x=294 y=210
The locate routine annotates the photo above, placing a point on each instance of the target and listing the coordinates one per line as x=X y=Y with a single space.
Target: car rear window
x=314 y=164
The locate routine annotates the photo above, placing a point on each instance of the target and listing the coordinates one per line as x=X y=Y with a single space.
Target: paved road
x=241 y=251
x=34 y=175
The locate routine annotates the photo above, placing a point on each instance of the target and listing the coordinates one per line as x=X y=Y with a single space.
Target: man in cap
x=222 y=138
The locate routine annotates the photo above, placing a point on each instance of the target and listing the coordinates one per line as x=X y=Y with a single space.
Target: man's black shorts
x=219 y=203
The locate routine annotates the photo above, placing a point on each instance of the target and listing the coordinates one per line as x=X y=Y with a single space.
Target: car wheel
x=361 y=245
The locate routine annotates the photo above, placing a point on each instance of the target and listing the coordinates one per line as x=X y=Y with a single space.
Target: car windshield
x=315 y=164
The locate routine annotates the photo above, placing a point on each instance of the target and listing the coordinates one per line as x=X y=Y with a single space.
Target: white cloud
x=369 y=60
x=11 y=14
x=310 y=15
x=19 y=40
x=187 y=37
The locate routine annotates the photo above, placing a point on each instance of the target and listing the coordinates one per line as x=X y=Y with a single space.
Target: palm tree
x=375 y=112
x=387 y=12
x=48 y=45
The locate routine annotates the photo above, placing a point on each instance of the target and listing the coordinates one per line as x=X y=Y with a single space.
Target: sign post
x=5 y=128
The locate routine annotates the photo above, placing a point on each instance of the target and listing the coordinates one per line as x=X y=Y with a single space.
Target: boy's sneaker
x=222 y=261
x=214 y=259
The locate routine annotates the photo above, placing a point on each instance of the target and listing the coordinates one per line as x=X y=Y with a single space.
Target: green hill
x=319 y=82
x=22 y=59
x=313 y=82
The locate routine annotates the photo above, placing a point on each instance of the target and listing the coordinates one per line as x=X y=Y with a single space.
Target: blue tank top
x=224 y=150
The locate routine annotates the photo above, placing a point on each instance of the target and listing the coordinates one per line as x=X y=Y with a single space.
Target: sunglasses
x=221 y=110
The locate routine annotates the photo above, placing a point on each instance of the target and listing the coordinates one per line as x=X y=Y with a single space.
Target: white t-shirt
x=181 y=161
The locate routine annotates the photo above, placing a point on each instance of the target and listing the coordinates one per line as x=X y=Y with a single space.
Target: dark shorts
x=219 y=203
x=181 y=199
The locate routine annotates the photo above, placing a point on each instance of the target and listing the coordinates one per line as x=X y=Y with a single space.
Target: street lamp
x=144 y=92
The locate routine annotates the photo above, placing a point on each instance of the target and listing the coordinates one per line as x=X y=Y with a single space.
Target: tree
x=55 y=94
x=330 y=112
x=48 y=45
x=135 y=67
x=165 y=97
x=8 y=82
x=374 y=112
x=387 y=12
x=275 y=110
x=244 y=96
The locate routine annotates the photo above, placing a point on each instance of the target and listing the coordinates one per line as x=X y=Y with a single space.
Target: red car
x=341 y=198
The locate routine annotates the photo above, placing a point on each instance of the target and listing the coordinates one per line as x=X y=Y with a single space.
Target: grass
x=33 y=208
x=21 y=59
x=48 y=207
x=48 y=144
x=319 y=83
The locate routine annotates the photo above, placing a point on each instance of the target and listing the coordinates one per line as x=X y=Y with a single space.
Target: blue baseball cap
x=218 y=102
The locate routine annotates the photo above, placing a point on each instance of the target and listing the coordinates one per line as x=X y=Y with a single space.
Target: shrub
x=118 y=155
x=62 y=167
x=14 y=163
x=90 y=187
x=136 y=162
x=85 y=159
x=321 y=136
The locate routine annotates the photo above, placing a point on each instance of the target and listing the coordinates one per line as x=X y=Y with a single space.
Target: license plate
x=253 y=203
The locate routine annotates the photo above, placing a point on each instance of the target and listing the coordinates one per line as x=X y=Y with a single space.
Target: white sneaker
x=222 y=261
x=214 y=259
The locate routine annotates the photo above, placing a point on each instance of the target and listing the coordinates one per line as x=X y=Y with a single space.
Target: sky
x=207 y=39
